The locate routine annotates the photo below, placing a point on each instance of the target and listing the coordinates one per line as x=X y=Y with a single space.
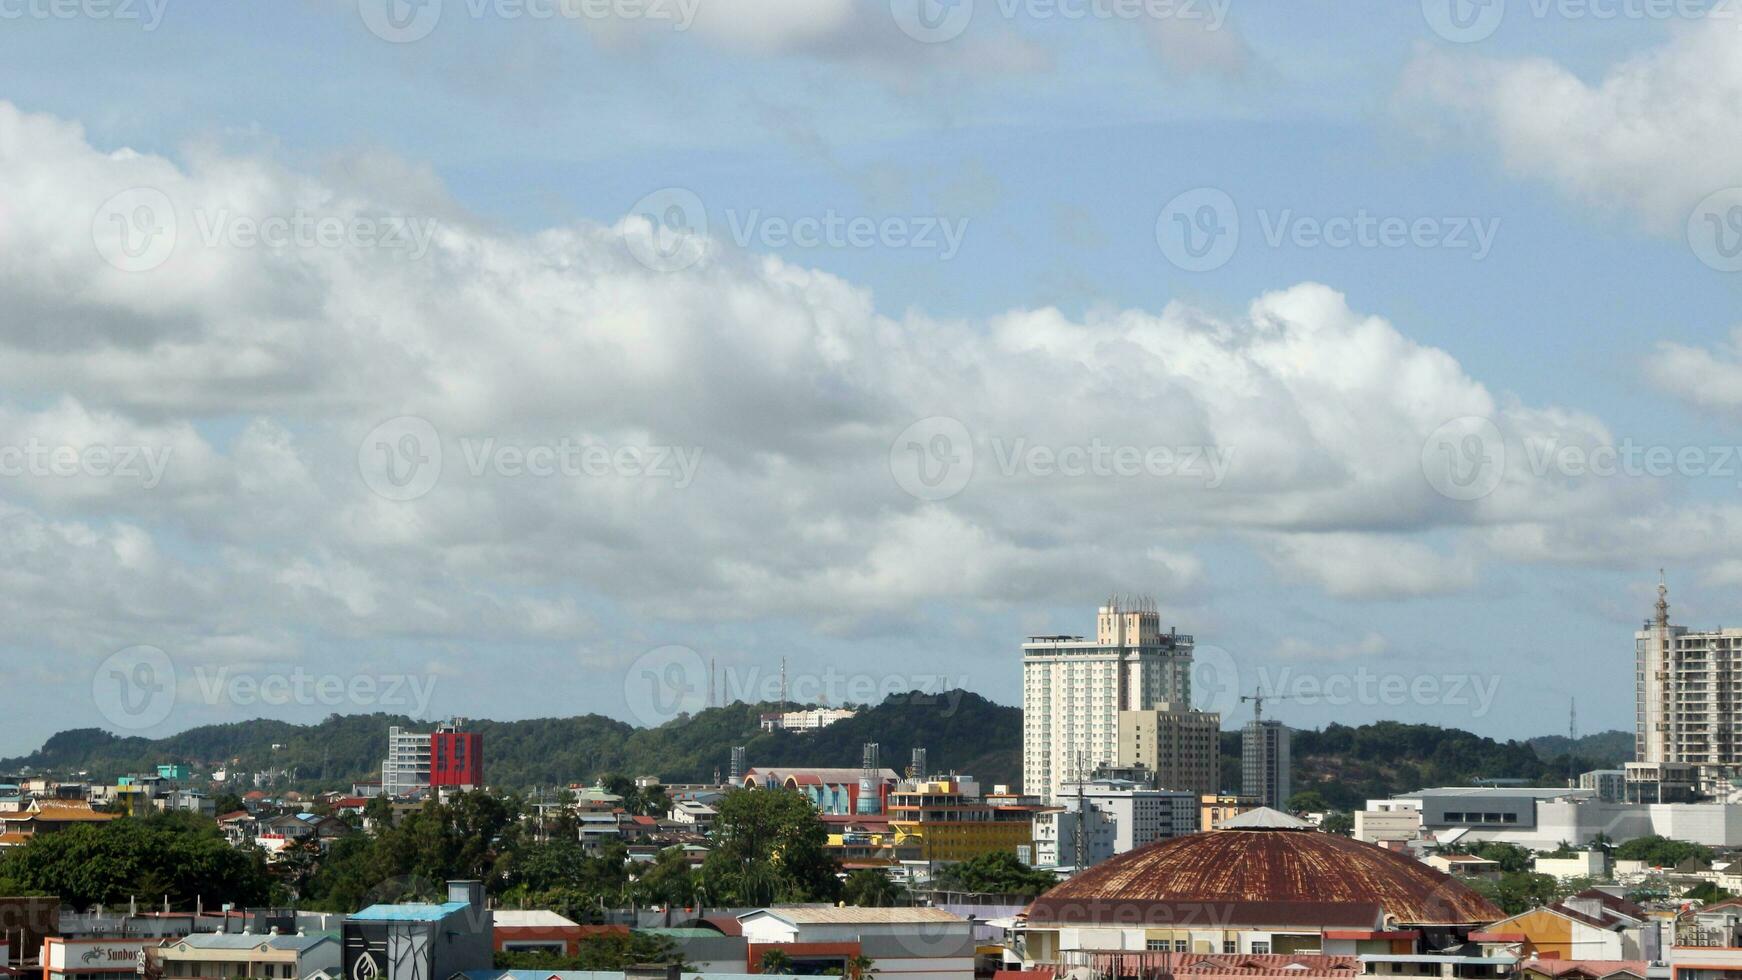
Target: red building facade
x=456 y=759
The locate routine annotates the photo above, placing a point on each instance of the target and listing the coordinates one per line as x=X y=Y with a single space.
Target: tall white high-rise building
x=1074 y=688
x=1688 y=693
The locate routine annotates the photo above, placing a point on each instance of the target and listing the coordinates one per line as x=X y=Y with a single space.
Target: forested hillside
x=963 y=732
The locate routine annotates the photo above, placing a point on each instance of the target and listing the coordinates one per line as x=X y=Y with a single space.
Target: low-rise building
x=804 y=719
x=1215 y=809
x=1092 y=821
x=93 y=959
x=1580 y=864
x=911 y=943
x=830 y=790
x=420 y=941
x=1387 y=824
x=693 y=815
x=1464 y=865
x=1592 y=925
x=544 y=931
x=229 y=955
x=1265 y=884
x=945 y=819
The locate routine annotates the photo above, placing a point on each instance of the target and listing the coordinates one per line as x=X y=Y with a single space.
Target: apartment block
x=1265 y=763
x=1093 y=820
x=1688 y=698
x=1074 y=688
x=1182 y=747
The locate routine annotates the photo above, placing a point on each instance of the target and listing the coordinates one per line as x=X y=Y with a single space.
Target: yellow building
x=1216 y=808
x=946 y=819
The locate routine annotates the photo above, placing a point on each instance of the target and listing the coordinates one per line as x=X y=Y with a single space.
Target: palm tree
x=861 y=967
x=774 y=961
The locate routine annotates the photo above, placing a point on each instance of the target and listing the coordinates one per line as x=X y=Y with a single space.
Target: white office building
x=1073 y=690
x=1113 y=816
x=1541 y=818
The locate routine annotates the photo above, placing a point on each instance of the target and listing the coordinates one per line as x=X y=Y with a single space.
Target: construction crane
x=1258 y=697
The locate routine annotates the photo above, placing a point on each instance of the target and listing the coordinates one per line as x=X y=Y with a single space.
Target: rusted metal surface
x=1239 y=872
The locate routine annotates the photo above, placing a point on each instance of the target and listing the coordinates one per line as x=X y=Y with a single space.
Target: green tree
x=769 y=845
x=669 y=881
x=1308 y=801
x=1338 y=822
x=177 y=856
x=872 y=888
x=995 y=873
x=1518 y=891
x=774 y=961
x=860 y=967
x=1661 y=852
x=1706 y=892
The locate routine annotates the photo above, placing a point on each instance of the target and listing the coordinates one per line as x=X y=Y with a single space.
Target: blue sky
x=1584 y=145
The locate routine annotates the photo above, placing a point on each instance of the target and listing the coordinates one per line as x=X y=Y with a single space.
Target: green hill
x=963 y=732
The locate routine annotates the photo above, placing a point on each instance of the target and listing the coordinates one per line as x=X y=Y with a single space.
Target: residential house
x=269 y=957
x=913 y=943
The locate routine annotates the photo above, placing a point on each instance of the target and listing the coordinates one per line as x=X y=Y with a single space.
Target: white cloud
x=1654 y=136
x=1707 y=379
x=266 y=367
x=1369 y=646
x=1367 y=566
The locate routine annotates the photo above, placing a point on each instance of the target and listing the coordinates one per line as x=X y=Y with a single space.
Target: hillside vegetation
x=962 y=732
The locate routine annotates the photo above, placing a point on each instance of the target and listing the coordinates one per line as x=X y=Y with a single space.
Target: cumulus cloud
x=1709 y=379
x=1655 y=135
x=741 y=431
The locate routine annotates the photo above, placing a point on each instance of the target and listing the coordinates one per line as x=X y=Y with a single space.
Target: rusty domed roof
x=1270 y=876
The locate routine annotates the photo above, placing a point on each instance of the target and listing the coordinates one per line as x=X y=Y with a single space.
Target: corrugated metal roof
x=413 y=912
x=850 y=915
x=231 y=940
x=1336 y=880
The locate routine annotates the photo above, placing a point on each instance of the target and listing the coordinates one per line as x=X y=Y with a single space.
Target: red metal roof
x=1273 y=877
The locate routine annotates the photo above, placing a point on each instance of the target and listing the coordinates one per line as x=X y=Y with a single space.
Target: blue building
x=420 y=941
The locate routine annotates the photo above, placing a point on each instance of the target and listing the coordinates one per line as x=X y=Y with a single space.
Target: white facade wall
x=1073 y=690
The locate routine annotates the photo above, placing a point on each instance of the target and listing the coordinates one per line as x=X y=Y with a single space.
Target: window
x=1182 y=946
x=1260 y=946
x=1230 y=945
x=1155 y=945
